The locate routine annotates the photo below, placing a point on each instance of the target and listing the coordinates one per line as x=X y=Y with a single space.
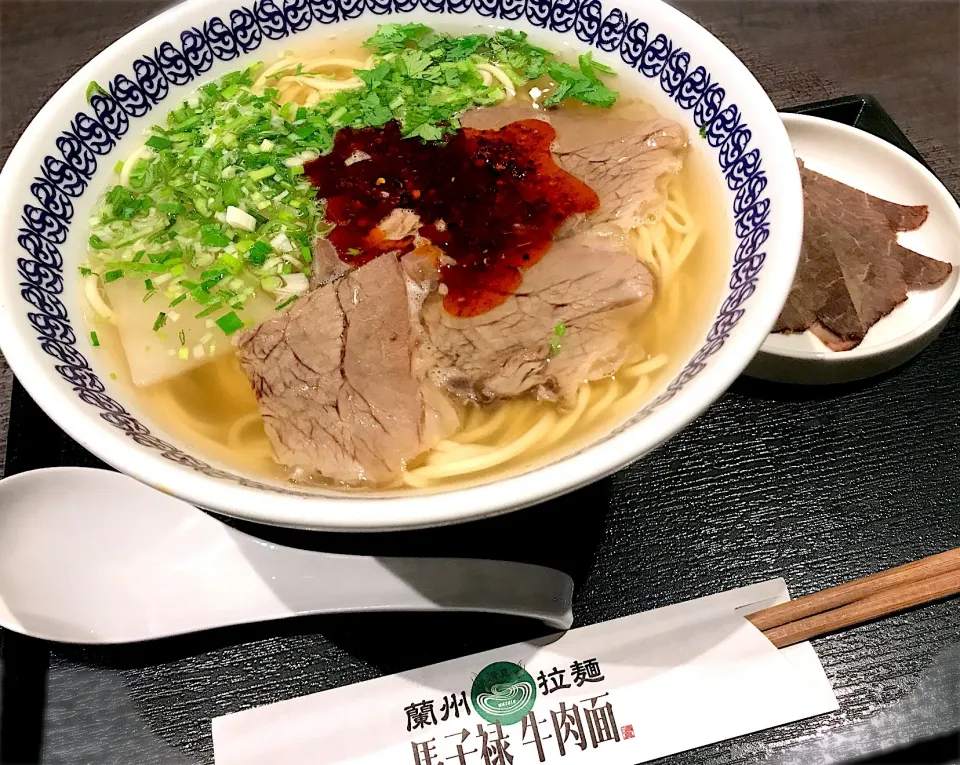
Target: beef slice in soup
x=629 y=172
x=589 y=284
x=335 y=381
x=627 y=160
x=327 y=267
x=852 y=272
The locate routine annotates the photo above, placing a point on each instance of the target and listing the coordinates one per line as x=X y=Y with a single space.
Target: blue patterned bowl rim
x=54 y=168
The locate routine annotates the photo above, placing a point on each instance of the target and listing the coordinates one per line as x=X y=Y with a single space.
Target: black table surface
x=816 y=485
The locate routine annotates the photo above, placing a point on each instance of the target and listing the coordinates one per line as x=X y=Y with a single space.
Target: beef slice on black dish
x=852 y=272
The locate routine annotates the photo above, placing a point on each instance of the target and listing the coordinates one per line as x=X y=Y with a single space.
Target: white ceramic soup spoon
x=92 y=556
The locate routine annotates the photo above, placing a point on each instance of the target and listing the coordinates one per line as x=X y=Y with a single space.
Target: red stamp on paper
x=627 y=731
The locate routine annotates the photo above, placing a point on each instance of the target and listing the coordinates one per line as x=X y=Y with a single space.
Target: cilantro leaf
x=427 y=132
x=374 y=77
x=588 y=65
x=425 y=80
x=393 y=37
x=465 y=46
x=375 y=113
x=416 y=62
x=582 y=85
x=511 y=49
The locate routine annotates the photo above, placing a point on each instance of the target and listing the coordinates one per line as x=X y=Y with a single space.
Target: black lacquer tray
x=815 y=486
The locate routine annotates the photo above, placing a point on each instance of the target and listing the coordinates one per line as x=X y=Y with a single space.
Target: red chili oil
x=490 y=199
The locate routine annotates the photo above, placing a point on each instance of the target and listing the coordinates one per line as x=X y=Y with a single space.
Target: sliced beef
x=335 y=381
x=590 y=284
x=627 y=160
x=852 y=272
x=494 y=118
x=629 y=173
x=326 y=266
x=421 y=267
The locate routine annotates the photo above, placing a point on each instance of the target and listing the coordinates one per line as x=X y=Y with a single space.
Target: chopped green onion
x=209 y=310
x=287 y=302
x=234 y=151
x=93 y=89
x=183 y=354
x=212 y=236
x=202 y=294
x=94 y=339
x=183 y=337
x=258 y=253
x=263 y=172
x=113 y=375
x=84 y=271
x=229 y=323
x=159 y=143
x=123 y=204
x=97 y=243
x=229 y=262
x=148 y=283
x=161 y=320
x=153 y=268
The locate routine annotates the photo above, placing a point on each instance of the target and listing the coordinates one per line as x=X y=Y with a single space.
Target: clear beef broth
x=211 y=410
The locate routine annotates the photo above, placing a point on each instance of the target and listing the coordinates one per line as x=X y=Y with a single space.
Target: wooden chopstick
x=861 y=600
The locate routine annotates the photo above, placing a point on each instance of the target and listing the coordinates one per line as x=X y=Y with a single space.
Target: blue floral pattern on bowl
x=92 y=136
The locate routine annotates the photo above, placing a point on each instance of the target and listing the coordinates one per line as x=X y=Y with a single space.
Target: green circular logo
x=503 y=693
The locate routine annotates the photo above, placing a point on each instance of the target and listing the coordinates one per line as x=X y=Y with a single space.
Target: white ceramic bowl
x=62 y=163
